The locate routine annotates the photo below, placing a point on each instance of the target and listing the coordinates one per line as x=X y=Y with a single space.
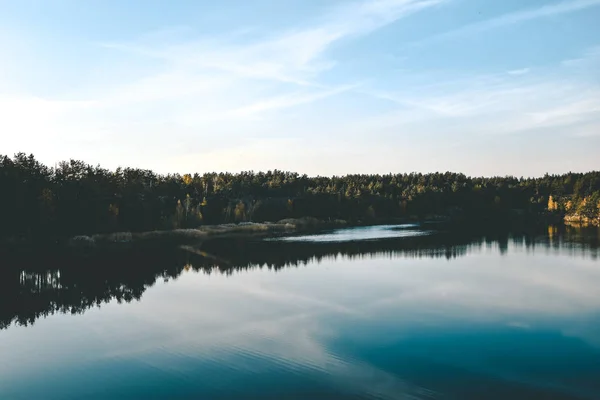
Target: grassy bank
x=287 y=226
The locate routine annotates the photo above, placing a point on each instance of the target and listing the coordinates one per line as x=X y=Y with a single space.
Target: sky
x=322 y=87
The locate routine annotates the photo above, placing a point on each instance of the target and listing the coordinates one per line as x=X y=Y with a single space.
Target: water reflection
x=34 y=287
x=377 y=232
x=445 y=315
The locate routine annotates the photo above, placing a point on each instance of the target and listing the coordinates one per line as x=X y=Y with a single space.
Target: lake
x=384 y=312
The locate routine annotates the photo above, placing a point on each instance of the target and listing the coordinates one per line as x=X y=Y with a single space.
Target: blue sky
x=315 y=86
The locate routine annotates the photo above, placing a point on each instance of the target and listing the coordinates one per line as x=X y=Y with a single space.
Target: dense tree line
x=76 y=198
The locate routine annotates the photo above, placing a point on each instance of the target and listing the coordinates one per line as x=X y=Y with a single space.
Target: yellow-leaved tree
x=569 y=205
x=187 y=179
x=240 y=212
x=552 y=205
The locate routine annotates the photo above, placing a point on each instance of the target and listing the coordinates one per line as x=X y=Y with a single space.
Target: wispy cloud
x=295 y=56
x=289 y=100
x=545 y=11
x=591 y=58
x=247 y=79
x=521 y=71
x=232 y=78
x=493 y=104
x=507 y=110
x=588 y=107
x=254 y=98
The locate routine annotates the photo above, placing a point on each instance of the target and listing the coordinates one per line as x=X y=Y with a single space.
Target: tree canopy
x=76 y=198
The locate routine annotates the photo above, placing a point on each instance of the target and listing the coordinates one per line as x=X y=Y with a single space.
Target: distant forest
x=76 y=198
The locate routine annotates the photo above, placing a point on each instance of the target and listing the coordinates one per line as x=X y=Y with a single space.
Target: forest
x=39 y=202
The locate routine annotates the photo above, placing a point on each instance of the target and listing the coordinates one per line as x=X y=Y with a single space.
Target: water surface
x=368 y=313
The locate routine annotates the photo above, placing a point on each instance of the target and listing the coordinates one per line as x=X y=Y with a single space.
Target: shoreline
x=286 y=227
x=206 y=232
x=580 y=220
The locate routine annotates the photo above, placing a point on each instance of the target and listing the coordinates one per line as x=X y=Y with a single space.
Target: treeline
x=75 y=198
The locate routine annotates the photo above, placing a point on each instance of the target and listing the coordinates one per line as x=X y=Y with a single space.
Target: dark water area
x=386 y=312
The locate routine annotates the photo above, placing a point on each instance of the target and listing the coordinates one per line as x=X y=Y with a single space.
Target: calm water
x=368 y=313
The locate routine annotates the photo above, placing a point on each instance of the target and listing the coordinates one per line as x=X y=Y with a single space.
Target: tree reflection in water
x=36 y=286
